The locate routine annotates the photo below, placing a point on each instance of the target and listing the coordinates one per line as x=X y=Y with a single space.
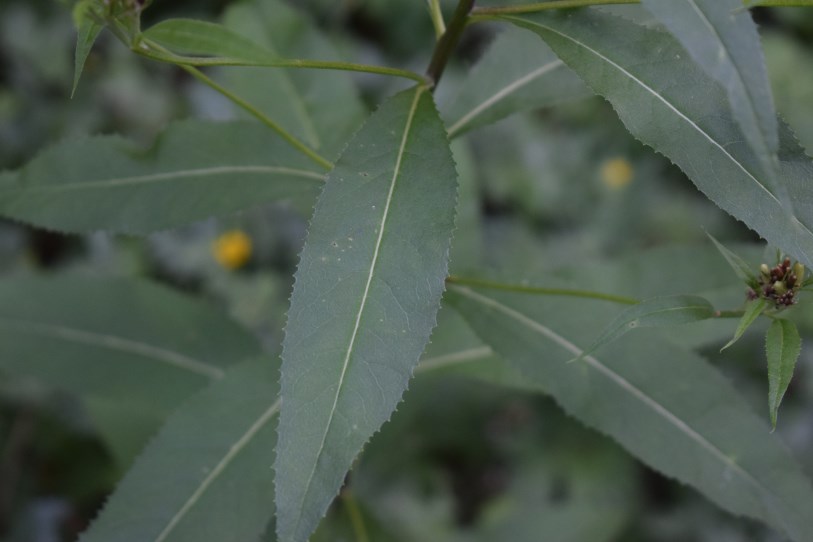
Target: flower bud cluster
x=778 y=284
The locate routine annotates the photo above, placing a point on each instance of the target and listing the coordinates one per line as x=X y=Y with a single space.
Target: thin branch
x=448 y=41
x=437 y=17
x=536 y=290
x=355 y=516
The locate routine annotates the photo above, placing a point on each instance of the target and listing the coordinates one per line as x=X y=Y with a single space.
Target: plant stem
x=565 y=4
x=519 y=288
x=541 y=6
x=355 y=516
x=154 y=52
x=448 y=41
x=437 y=17
x=729 y=314
x=259 y=115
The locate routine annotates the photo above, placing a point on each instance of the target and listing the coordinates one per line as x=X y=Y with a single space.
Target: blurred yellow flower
x=232 y=249
x=617 y=173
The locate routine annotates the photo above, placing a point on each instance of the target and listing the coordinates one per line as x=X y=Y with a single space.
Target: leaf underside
x=367 y=291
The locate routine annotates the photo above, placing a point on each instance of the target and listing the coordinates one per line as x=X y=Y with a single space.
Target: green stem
x=481 y=12
x=448 y=41
x=355 y=516
x=542 y=6
x=729 y=314
x=259 y=115
x=519 y=288
x=246 y=106
x=151 y=50
x=437 y=17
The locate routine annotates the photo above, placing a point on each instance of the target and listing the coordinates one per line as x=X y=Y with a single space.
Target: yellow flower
x=232 y=249
x=617 y=173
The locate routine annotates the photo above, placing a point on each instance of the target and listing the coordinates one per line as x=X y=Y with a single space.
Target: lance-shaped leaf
x=206 y=475
x=664 y=404
x=752 y=311
x=88 y=29
x=722 y=38
x=132 y=344
x=367 y=291
x=636 y=68
x=196 y=169
x=517 y=73
x=655 y=312
x=783 y=346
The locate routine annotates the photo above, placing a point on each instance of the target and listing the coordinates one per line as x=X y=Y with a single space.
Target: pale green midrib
x=162 y=177
x=113 y=342
x=339 y=386
x=670 y=106
x=234 y=450
x=451 y=359
x=723 y=47
x=675 y=309
x=623 y=383
x=502 y=93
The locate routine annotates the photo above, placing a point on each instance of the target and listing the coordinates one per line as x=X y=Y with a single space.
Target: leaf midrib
x=396 y=172
x=114 y=342
x=166 y=176
x=620 y=381
x=234 y=450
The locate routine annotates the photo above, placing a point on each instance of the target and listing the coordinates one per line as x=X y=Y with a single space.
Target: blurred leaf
x=740 y=267
x=206 y=475
x=196 y=169
x=517 y=73
x=321 y=107
x=654 y=312
x=124 y=345
x=369 y=280
x=752 y=311
x=783 y=346
x=664 y=404
x=201 y=38
x=722 y=38
x=88 y=29
x=467 y=245
x=635 y=67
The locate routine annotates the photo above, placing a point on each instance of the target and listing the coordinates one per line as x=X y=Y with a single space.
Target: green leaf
x=322 y=107
x=206 y=475
x=662 y=403
x=517 y=73
x=654 y=312
x=201 y=38
x=88 y=29
x=752 y=311
x=367 y=291
x=196 y=169
x=635 y=68
x=129 y=344
x=740 y=267
x=722 y=38
x=783 y=346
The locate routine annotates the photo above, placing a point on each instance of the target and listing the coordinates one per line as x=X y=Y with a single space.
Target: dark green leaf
x=654 y=312
x=783 y=346
x=635 y=68
x=664 y=404
x=517 y=73
x=367 y=291
x=196 y=169
x=121 y=343
x=206 y=475
x=722 y=38
x=752 y=311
